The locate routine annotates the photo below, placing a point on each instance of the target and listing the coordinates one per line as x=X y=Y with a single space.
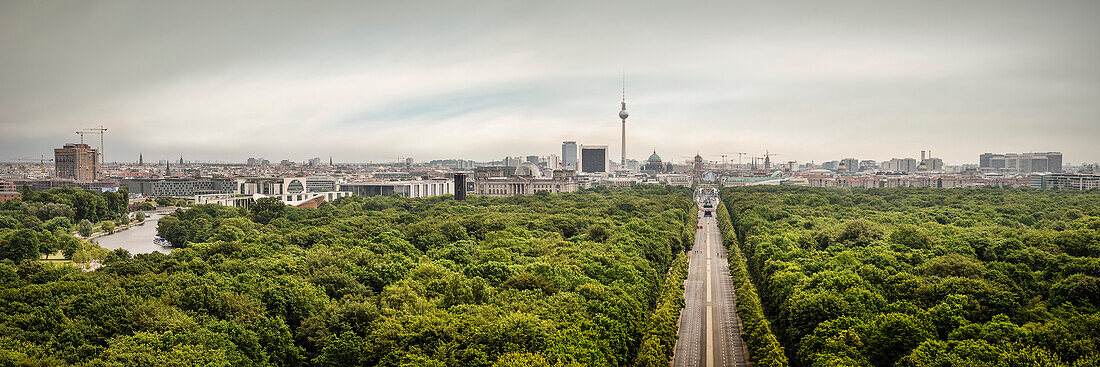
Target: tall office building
x=75 y=161
x=569 y=154
x=907 y=165
x=593 y=158
x=512 y=161
x=553 y=162
x=533 y=159
x=932 y=164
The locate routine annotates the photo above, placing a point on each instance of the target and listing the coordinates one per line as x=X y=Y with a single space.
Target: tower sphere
x=623 y=114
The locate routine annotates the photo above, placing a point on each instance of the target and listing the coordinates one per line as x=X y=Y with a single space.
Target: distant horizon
x=277 y=161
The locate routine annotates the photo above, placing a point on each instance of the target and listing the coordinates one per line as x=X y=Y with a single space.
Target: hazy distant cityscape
x=577 y=166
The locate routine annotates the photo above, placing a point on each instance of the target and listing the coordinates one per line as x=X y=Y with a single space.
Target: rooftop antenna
x=623 y=115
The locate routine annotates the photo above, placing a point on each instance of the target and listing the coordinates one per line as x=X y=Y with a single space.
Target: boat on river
x=162 y=242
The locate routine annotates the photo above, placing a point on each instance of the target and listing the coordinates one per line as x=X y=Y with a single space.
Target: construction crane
x=41 y=162
x=99 y=161
x=400 y=161
x=724 y=155
x=692 y=159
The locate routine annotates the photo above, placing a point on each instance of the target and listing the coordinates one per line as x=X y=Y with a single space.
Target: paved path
x=710 y=330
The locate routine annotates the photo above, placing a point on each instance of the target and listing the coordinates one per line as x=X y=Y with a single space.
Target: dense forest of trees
x=563 y=280
x=44 y=222
x=925 y=277
x=764 y=348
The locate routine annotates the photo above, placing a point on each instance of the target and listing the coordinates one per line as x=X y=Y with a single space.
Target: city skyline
x=434 y=81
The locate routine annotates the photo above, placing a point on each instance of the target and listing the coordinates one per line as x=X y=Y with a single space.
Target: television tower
x=623 y=115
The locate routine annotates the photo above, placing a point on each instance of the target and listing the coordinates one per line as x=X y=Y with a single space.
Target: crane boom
x=99 y=160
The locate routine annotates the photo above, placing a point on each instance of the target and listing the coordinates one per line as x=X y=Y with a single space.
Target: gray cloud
x=364 y=81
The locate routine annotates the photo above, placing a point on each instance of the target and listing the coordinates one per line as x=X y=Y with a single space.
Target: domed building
x=525 y=179
x=654 y=164
x=528 y=169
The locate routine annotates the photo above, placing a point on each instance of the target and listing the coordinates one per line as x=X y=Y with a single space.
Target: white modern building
x=674 y=179
x=295 y=191
x=405 y=189
x=311 y=199
x=621 y=181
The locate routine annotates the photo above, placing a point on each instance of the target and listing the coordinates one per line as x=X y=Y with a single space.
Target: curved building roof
x=528 y=169
x=654 y=158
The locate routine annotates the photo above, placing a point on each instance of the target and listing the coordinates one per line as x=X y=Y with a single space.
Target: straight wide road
x=710 y=330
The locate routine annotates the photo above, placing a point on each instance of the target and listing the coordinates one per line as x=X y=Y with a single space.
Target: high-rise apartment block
x=1021 y=163
x=848 y=165
x=510 y=161
x=76 y=162
x=931 y=164
x=907 y=165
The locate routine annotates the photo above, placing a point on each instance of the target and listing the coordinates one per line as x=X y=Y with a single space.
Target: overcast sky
x=372 y=80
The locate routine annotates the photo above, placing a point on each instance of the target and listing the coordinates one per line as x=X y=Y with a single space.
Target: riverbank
x=137 y=238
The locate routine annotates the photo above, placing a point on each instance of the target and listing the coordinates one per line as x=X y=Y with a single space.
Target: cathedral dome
x=654 y=158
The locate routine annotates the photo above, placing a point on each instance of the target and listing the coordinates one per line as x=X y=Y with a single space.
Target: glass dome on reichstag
x=528 y=169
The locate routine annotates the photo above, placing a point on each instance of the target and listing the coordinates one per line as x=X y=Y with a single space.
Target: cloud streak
x=362 y=82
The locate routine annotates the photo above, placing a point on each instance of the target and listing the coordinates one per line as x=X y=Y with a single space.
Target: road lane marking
x=710 y=306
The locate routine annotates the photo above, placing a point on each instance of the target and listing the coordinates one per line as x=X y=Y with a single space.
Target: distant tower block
x=623 y=115
x=460 y=186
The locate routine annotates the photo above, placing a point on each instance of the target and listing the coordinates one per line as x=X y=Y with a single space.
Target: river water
x=136 y=239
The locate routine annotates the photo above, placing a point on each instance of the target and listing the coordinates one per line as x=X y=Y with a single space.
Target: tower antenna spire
x=623 y=115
